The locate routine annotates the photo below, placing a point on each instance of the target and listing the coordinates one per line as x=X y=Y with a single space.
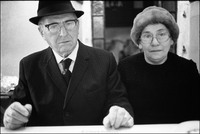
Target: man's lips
x=63 y=42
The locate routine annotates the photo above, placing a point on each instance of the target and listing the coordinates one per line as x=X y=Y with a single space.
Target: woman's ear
x=171 y=42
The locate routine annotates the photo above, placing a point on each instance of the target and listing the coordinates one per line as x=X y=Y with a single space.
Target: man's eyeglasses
x=56 y=27
x=161 y=37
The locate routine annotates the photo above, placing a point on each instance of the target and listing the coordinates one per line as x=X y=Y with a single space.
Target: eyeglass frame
x=59 y=24
x=152 y=37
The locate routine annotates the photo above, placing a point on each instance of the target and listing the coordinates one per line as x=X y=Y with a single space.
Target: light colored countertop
x=184 y=127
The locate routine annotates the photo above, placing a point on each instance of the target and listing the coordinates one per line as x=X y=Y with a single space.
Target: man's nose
x=63 y=30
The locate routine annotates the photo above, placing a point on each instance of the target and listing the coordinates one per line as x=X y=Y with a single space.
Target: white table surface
x=151 y=128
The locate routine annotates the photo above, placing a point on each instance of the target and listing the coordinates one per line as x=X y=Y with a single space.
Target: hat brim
x=36 y=19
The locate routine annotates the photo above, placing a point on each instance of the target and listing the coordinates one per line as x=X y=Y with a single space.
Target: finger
x=11 y=125
x=11 y=120
x=106 y=122
x=112 y=115
x=17 y=111
x=15 y=115
x=129 y=123
x=126 y=118
x=119 y=117
x=29 y=108
x=19 y=108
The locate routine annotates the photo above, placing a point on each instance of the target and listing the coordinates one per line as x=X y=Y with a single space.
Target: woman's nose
x=154 y=41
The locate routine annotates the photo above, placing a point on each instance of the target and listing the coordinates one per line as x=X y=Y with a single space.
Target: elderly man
x=68 y=83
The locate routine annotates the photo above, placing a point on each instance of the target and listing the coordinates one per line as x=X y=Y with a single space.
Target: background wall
x=19 y=37
x=188 y=21
x=194 y=51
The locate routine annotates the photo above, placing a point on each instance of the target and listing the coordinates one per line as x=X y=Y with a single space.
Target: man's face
x=60 y=32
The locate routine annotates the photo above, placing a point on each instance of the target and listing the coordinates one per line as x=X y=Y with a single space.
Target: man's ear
x=78 y=26
x=41 y=32
x=140 y=46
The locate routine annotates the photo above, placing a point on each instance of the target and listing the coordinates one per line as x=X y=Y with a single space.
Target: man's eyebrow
x=51 y=23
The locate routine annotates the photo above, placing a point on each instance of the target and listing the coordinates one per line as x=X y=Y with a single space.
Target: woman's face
x=155 y=41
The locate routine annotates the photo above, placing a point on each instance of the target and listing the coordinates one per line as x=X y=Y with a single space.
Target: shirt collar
x=72 y=56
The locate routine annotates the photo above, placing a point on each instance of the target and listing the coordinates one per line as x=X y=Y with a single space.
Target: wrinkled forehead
x=153 y=28
x=58 y=18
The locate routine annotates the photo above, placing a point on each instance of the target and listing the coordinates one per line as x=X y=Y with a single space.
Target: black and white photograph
x=100 y=67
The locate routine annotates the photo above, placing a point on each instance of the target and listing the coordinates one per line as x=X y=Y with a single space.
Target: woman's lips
x=155 y=50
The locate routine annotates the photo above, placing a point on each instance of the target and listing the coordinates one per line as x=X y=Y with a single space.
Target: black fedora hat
x=46 y=8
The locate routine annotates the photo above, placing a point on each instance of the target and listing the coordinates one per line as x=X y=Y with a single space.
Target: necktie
x=67 y=73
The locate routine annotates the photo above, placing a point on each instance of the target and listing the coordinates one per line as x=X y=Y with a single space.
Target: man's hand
x=16 y=115
x=118 y=117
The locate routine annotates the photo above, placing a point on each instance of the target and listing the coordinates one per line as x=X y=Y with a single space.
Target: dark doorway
x=122 y=13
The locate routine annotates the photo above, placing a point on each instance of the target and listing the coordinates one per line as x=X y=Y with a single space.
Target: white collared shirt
x=72 y=56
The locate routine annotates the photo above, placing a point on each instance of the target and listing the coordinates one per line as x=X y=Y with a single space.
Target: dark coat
x=95 y=86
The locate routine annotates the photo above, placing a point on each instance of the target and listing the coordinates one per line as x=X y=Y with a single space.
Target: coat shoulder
x=97 y=51
x=181 y=61
x=36 y=55
x=98 y=54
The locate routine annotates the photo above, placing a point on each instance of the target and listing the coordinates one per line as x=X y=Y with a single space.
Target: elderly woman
x=162 y=87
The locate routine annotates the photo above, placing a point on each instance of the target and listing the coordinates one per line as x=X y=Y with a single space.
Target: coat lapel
x=80 y=67
x=54 y=72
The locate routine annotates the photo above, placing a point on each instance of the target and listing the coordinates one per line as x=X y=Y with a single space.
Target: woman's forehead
x=155 y=28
